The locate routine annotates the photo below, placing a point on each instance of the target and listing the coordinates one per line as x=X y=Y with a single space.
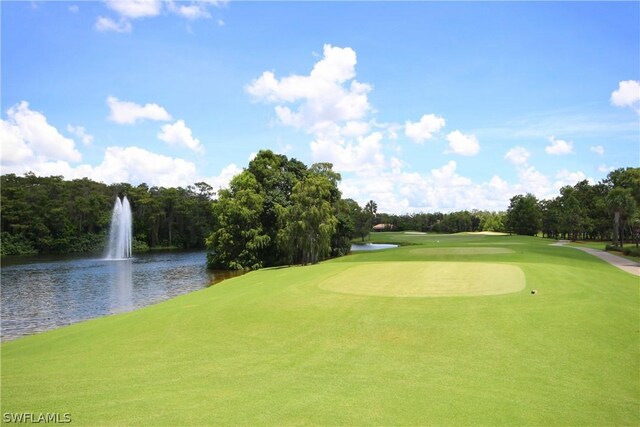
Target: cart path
x=615 y=260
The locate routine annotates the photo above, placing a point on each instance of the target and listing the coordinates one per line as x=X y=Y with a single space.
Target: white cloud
x=363 y=154
x=598 y=149
x=442 y=189
x=137 y=165
x=136 y=8
x=222 y=180
x=465 y=145
x=73 y=8
x=134 y=165
x=179 y=134
x=104 y=24
x=424 y=129
x=192 y=11
x=120 y=164
x=558 y=147
x=81 y=133
x=14 y=149
x=125 y=112
x=327 y=95
x=627 y=95
x=518 y=155
x=26 y=134
x=564 y=177
x=606 y=169
x=534 y=182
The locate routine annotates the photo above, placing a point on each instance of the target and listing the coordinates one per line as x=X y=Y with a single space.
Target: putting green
x=426 y=279
x=462 y=251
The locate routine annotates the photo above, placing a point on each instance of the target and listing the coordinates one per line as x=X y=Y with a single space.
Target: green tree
x=309 y=222
x=623 y=206
x=239 y=238
x=365 y=219
x=346 y=212
x=524 y=215
x=572 y=215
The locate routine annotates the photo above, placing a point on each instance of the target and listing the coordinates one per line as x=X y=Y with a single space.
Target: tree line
x=43 y=215
x=452 y=222
x=607 y=210
x=279 y=211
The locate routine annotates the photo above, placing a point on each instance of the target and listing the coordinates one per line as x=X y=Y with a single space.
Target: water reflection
x=122 y=279
x=40 y=295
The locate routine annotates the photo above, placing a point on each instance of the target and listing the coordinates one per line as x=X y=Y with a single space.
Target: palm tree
x=622 y=204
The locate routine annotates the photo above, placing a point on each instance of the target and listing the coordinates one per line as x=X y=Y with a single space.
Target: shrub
x=631 y=251
x=16 y=245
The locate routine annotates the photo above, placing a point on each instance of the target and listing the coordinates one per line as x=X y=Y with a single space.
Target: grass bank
x=280 y=346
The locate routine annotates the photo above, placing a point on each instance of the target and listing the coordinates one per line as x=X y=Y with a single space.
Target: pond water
x=371 y=247
x=39 y=293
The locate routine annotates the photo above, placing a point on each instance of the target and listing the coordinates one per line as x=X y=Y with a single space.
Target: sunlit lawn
x=285 y=346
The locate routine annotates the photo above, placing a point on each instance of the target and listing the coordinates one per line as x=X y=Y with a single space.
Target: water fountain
x=120 y=235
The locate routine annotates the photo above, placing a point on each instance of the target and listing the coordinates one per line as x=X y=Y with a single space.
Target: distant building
x=383 y=227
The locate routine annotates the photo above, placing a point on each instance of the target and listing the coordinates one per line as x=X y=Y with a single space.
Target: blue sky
x=421 y=106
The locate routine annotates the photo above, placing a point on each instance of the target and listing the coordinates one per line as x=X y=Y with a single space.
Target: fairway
x=404 y=336
x=427 y=279
x=463 y=251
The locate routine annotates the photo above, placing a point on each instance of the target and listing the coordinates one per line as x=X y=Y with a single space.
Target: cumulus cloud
x=125 y=112
x=137 y=165
x=222 y=180
x=441 y=189
x=192 y=11
x=134 y=165
x=31 y=144
x=598 y=149
x=26 y=134
x=558 y=147
x=178 y=134
x=424 y=129
x=14 y=148
x=465 y=145
x=606 y=169
x=135 y=8
x=534 y=182
x=104 y=24
x=627 y=95
x=329 y=94
x=81 y=133
x=365 y=153
x=564 y=177
x=517 y=155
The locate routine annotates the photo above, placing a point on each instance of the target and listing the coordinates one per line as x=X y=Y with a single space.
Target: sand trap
x=462 y=251
x=427 y=279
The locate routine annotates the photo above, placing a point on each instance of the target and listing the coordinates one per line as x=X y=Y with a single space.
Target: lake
x=42 y=293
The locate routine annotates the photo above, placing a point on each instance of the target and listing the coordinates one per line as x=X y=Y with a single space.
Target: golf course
x=443 y=330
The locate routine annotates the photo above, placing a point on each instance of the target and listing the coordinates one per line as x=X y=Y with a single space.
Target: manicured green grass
x=274 y=347
x=426 y=279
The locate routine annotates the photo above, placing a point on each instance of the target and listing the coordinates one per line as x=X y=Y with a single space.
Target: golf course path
x=618 y=261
